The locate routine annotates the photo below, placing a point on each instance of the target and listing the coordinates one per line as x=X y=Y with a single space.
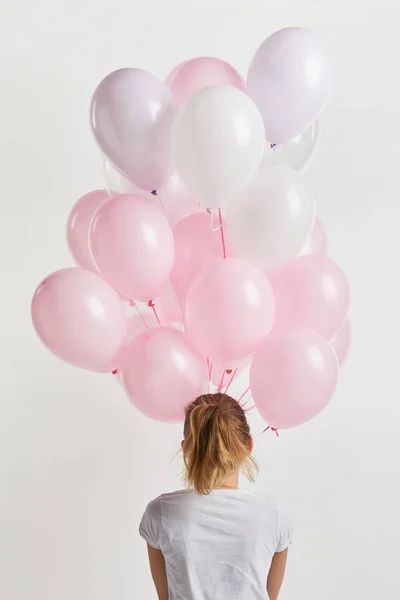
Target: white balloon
x=297 y=153
x=269 y=222
x=218 y=142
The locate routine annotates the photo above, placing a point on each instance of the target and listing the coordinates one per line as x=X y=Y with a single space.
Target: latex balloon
x=298 y=152
x=131 y=115
x=341 y=342
x=229 y=309
x=175 y=199
x=163 y=374
x=78 y=225
x=293 y=377
x=117 y=183
x=316 y=243
x=269 y=222
x=132 y=246
x=80 y=318
x=196 y=243
x=170 y=303
x=193 y=75
x=290 y=79
x=313 y=293
x=218 y=143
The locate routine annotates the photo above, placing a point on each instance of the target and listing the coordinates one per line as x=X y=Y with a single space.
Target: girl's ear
x=251 y=445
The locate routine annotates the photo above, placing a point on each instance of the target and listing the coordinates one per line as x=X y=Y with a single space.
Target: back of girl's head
x=217 y=442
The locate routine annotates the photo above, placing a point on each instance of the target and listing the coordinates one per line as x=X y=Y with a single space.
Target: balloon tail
x=222 y=232
x=152 y=306
x=243 y=395
x=274 y=429
x=230 y=381
x=221 y=383
x=115 y=372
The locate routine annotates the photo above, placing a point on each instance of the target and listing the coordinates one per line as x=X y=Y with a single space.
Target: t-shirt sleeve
x=150 y=525
x=285 y=531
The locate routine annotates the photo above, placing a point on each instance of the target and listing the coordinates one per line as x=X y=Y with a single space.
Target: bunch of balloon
x=203 y=256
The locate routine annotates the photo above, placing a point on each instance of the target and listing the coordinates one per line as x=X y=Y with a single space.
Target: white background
x=77 y=462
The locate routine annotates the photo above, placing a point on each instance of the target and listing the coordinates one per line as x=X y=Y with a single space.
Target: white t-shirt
x=219 y=546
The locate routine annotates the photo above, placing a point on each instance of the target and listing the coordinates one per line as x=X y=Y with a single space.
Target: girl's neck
x=231 y=482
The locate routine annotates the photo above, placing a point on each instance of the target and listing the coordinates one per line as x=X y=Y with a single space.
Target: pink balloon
x=175 y=199
x=193 y=75
x=316 y=243
x=78 y=224
x=80 y=318
x=164 y=374
x=312 y=293
x=229 y=309
x=170 y=304
x=290 y=80
x=131 y=116
x=293 y=377
x=196 y=243
x=341 y=342
x=132 y=246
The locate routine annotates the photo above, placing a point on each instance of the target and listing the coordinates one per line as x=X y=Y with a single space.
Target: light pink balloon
x=230 y=308
x=193 y=75
x=78 y=224
x=341 y=342
x=196 y=243
x=131 y=116
x=316 y=243
x=293 y=377
x=311 y=292
x=164 y=374
x=170 y=304
x=80 y=318
x=290 y=80
x=175 y=199
x=132 y=246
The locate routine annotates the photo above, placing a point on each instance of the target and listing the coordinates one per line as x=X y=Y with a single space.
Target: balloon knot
x=150 y=304
x=115 y=372
x=228 y=371
x=272 y=146
x=154 y=192
x=131 y=303
x=274 y=429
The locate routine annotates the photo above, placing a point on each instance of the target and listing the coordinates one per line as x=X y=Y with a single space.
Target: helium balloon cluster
x=203 y=256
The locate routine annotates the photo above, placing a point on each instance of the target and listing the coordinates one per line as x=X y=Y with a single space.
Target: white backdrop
x=77 y=462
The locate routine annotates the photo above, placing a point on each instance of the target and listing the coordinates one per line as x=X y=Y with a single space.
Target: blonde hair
x=216 y=442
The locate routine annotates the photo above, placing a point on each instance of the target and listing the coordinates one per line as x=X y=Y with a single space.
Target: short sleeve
x=150 y=525
x=285 y=531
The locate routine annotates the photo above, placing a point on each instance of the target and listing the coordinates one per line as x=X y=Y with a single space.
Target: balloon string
x=222 y=232
x=243 y=395
x=152 y=306
x=249 y=409
x=230 y=381
x=135 y=306
x=210 y=366
x=221 y=383
x=274 y=429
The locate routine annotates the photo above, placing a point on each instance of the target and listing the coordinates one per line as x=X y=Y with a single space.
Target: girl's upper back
x=216 y=546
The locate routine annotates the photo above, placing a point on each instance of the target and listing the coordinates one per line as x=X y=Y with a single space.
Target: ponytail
x=216 y=442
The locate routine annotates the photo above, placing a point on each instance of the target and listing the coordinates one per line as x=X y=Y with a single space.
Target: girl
x=212 y=541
